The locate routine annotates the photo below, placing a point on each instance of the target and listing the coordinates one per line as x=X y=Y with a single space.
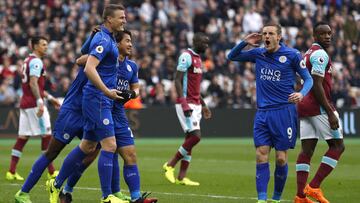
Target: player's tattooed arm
x=36 y=92
x=53 y=100
x=81 y=61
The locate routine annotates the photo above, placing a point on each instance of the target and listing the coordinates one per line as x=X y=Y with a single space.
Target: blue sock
x=72 y=161
x=262 y=180
x=132 y=179
x=280 y=175
x=74 y=178
x=115 y=184
x=105 y=169
x=36 y=171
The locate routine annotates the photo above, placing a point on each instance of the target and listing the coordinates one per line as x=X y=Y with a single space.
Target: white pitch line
x=171 y=193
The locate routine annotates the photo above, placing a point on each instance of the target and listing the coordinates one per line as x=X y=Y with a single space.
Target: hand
x=56 y=103
x=206 y=111
x=185 y=106
x=40 y=111
x=114 y=95
x=333 y=120
x=295 y=97
x=95 y=30
x=253 y=39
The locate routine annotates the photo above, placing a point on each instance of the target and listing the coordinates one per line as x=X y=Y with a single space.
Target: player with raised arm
x=189 y=108
x=98 y=96
x=128 y=85
x=275 y=121
x=318 y=119
x=34 y=116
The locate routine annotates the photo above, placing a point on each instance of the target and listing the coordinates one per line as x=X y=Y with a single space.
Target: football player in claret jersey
x=275 y=122
x=189 y=108
x=128 y=85
x=34 y=116
x=318 y=118
x=98 y=96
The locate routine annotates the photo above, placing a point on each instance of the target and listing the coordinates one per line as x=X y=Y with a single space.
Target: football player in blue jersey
x=275 y=122
x=68 y=125
x=128 y=85
x=98 y=96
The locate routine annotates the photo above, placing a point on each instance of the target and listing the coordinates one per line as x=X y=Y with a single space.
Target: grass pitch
x=224 y=167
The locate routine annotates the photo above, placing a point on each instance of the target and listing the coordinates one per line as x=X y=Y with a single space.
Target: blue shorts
x=123 y=133
x=98 y=118
x=276 y=128
x=69 y=124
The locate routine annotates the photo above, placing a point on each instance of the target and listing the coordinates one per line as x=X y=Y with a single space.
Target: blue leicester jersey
x=73 y=98
x=275 y=73
x=127 y=75
x=103 y=47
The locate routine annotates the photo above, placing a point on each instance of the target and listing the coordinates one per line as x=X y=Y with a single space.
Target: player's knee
x=281 y=161
x=130 y=158
x=87 y=148
x=261 y=156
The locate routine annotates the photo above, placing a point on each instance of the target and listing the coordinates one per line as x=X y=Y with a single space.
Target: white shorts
x=31 y=125
x=191 y=123
x=318 y=126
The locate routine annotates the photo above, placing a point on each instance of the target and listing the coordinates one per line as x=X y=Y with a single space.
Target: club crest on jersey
x=302 y=64
x=66 y=136
x=99 y=49
x=106 y=121
x=129 y=68
x=197 y=70
x=282 y=59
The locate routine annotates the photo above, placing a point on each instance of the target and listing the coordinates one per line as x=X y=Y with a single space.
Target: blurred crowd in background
x=163 y=29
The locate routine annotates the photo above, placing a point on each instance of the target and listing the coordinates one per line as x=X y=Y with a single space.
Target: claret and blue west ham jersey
x=318 y=63
x=190 y=63
x=126 y=76
x=33 y=66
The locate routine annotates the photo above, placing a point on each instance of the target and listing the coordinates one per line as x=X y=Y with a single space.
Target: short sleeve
x=99 y=46
x=134 y=78
x=184 y=62
x=319 y=60
x=35 y=67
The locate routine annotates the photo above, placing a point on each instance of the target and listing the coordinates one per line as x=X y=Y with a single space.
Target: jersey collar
x=317 y=44
x=192 y=51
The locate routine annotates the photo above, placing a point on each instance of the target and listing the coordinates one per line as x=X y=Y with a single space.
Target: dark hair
x=35 y=40
x=278 y=26
x=199 y=36
x=110 y=9
x=120 y=35
x=318 y=24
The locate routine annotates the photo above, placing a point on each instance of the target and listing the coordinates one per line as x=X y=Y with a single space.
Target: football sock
x=328 y=163
x=132 y=179
x=36 y=171
x=74 y=178
x=71 y=163
x=16 y=153
x=302 y=173
x=262 y=180
x=44 y=145
x=189 y=143
x=105 y=170
x=115 y=183
x=280 y=176
x=185 y=162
